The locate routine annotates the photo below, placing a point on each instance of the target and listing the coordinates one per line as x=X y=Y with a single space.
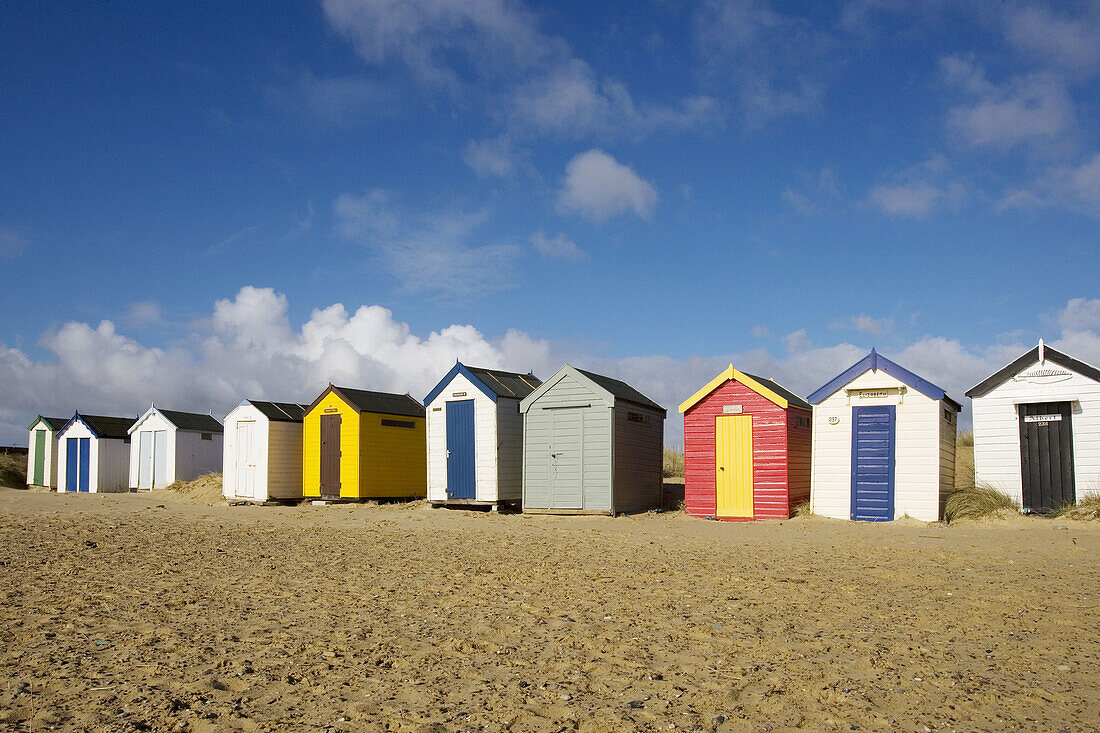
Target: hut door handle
x=448 y=454
x=721 y=468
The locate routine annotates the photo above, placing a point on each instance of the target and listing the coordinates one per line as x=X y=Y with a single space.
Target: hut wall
x=393 y=457
x=638 y=457
x=509 y=431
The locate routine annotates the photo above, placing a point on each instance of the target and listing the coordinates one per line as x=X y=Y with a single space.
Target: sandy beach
x=155 y=612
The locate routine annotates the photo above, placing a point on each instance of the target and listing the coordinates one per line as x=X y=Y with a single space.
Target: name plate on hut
x=1042 y=418
x=732 y=409
x=458 y=394
x=873 y=394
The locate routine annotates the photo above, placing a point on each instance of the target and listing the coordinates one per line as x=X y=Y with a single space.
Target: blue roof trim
x=875 y=361
x=460 y=368
x=76 y=416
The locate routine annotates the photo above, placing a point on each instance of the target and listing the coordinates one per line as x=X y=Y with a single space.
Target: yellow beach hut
x=358 y=444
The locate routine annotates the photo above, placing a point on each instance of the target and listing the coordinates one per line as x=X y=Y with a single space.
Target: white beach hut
x=92 y=454
x=475 y=436
x=1037 y=430
x=263 y=451
x=883 y=444
x=168 y=446
x=42 y=451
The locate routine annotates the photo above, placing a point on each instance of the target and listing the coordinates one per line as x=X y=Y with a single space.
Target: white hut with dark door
x=263 y=451
x=169 y=446
x=1037 y=430
x=93 y=451
x=42 y=451
x=591 y=444
x=475 y=436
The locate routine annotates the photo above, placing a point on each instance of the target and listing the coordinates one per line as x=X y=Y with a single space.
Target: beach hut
x=475 y=436
x=169 y=446
x=883 y=444
x=93 y=451
x=263 y=451
x=42 y=451
x=358 y=444
x=746 y=448
x=1037 y=430
x=591 y=444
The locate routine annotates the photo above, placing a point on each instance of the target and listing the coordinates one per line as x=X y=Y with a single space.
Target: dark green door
x=39 y=458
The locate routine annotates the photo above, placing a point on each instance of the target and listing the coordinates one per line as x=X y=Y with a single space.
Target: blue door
x=460 y=450
x=78 y=460
x=873 y=463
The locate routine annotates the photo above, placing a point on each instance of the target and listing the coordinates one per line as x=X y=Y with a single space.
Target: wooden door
x=246 y=460
x=72 y=464
x=330 y=455
x=1046 y=456
x=160 y=459
x=873 y=463
x=733 y=465
x=38 y=477
x=461 y=462
x=567 y=458
x=145 y=460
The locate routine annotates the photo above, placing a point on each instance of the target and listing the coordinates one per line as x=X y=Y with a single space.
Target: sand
x=152 y=612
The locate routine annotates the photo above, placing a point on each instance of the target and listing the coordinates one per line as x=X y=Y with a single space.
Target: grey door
x=566 y=458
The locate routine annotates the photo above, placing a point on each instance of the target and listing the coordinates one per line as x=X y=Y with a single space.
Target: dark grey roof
x=192 y=421
x=507 y=384
x=280 y=411
x=1032 y=357
x=53 y=423
x=621 y=390
x=109 y=427
x=782 y=391
x=381 y=402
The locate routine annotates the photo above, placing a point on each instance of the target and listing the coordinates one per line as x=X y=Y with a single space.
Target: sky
x=205 y=202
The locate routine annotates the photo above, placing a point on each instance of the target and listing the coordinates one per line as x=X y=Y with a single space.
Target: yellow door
x=733 y=465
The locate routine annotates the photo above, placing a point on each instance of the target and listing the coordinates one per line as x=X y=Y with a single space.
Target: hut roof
x=493 y=383
x=53 y=423
x=381 y=402
x=1033 y=357
x=280 y=411
x=767 y=388
x=193 y=421
x=874 y=362
x=103 y=426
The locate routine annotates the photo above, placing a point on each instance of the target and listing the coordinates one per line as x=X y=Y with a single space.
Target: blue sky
x=208 y=201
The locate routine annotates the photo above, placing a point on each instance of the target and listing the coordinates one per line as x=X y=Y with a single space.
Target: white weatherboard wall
x=107 y=465
x=275 y=455
x=485 y=442
x=49 y=463
x=997 y=431
x=922 y=469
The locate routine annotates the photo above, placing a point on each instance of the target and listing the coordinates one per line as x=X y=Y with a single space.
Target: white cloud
x=1074 y=187
x=252 y=350
x=1024 y=108
x=430 y=252
x=598 y=187
x=341 y=101
x=865 y=324
x=775 y=62
x=490 y=157
x=144 y=314
x=1070 y=43
x=920 y=190
x=559 y=248
x=761 y=332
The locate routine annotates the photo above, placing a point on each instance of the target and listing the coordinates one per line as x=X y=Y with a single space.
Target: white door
x=160 y=459
x=145 y=460
x=246 y=460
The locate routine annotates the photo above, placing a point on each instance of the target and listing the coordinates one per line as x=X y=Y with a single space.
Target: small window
x=801 y=422
x=636 y=417
x=948 y=415
x=398 y=423
x=206 y=436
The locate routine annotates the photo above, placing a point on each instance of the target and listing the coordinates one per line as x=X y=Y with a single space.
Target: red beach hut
x=746 y=449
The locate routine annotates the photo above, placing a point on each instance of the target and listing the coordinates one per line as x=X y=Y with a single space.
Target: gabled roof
x=189 y=421
x=1033 y=357
x=102 y=426
x=876 y=362
x=492 y=382
x=280 y=411
x=362 y=400
x=766 y=388
x=53 y=423
x=610 y=389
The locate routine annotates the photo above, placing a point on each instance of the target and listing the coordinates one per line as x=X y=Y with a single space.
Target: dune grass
x=673 y=462
x=964 y=460
x=1087 y=507
x=979 y=502
x=13 y=470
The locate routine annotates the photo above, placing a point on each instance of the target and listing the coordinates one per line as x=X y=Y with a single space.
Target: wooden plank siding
x=638 y=458
x=799 y=442
x=509 y=450
x=394 y=459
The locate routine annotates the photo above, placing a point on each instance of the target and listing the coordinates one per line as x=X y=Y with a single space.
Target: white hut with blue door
x=93 y=451
x=169 y=446
x=475 y=436
x=883 y=444
x=1037 y=430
